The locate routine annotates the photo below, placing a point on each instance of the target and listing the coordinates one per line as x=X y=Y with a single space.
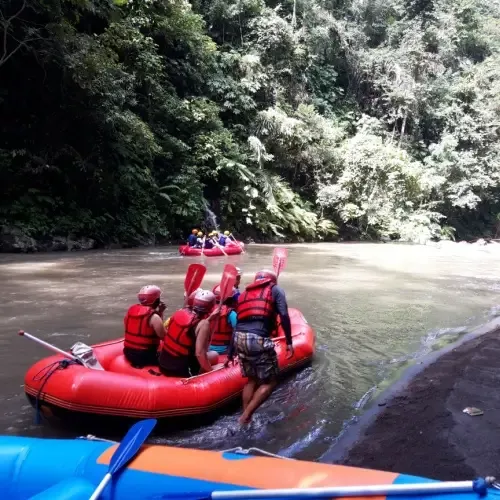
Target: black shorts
x=140 y=359
x=172 y=366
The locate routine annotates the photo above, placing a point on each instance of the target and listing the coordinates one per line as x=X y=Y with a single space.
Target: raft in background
x=60 y=469
x=58 y=387
x=231 y=248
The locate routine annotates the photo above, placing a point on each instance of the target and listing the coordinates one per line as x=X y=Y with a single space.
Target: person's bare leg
x=248 y=392
x=260 y=395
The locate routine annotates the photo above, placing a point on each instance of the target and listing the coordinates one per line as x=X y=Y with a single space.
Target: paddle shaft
x=349 y=491
x=48 y=346
x=105 y=480
x=237 y=242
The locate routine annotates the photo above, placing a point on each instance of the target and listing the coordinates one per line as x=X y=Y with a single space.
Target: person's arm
x=233 y=320
x=281 y=307
x=203 y=335
x=157 y=323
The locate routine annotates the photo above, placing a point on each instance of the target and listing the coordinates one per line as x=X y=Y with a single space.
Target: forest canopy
x=301 y=119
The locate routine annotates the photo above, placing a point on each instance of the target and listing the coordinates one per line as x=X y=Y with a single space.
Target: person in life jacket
x=184 y=350
x=199 y=239
x=258 y=306
x=237 y=284
x=144 y=328
x=223 y=238
x=223 y=325
x=189 y=304
x=193 y=238
x=208 y=242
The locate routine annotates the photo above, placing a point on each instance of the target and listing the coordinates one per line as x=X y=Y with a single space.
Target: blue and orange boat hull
x=43 y=469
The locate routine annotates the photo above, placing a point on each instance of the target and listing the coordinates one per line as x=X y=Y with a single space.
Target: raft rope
x=44 y=375
x=238 y=450
x=254 y=451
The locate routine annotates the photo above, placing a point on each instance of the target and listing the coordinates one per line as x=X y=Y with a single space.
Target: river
x=375 y=308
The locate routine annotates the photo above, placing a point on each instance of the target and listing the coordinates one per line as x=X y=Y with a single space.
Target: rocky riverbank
x=422 y=429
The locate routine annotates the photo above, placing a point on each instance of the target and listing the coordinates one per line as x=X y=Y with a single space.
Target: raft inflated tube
x=43 y=469
x=68 y=489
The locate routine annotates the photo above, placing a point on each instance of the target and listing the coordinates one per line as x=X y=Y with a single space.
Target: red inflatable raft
x=230 y=249
x=123 y=391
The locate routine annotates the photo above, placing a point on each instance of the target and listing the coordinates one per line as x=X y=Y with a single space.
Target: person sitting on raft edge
x=257 y=309
x=223 y=238
x=199 y=239
x=193 y=238
x=208 y=242
x=185 y=351
x=144 y=328
x=223 y=325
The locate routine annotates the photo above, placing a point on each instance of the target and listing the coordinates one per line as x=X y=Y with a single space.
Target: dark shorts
x=173 y=366
x=140 y=359
x=257 y=356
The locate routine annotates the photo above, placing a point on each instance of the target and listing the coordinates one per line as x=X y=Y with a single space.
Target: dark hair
x=156 y=303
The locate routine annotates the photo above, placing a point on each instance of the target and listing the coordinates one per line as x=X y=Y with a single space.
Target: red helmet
x=149 y=294
x=265 y=274
x=191 y=296
x=204 y=301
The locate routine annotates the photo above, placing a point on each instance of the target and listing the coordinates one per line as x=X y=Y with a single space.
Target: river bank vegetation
x=308 y=119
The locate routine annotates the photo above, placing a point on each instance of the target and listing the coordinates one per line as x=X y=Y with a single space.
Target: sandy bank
x=421 y=429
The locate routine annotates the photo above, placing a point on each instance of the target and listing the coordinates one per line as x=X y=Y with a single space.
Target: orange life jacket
x=139 y=335
x=180 y=340
x=222 y=330
x=256 y=302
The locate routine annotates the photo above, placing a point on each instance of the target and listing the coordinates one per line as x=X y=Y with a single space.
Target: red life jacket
x=180 y=340
x=256 y=302
x=139 y=335
x=222 y=330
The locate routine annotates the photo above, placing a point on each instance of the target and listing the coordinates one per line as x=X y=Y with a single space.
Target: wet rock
x=14 y=240
x=58 y=244
x=480 y=242
x=81 y=244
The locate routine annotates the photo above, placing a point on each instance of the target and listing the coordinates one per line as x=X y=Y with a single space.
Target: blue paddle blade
x=131 y=443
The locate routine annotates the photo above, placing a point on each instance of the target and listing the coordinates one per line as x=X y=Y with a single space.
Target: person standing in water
x=257 y=309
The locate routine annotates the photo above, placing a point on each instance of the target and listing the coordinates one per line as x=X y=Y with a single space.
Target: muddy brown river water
x=375 y=309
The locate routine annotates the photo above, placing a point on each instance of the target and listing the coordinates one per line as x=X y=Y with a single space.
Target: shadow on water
x=374 y=309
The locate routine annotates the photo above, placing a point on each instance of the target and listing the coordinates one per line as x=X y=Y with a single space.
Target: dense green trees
x=302 y=118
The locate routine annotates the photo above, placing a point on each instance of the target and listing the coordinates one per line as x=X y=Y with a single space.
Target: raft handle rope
x=44 y=375
x=253 y=451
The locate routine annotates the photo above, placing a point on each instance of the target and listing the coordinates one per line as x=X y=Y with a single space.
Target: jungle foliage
x=304 y=119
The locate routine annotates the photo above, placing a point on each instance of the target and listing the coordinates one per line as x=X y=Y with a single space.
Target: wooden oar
x=126 y=451
x=478 y=486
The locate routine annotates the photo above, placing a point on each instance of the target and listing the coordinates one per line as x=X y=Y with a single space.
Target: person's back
x=181 y=354
x=178 y=349
x=208 y=244
x=222 y=240
x=193 y=238
x=257 y=309
x=143 y=328
x=223 y=325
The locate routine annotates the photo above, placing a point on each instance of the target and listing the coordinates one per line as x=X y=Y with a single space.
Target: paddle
x=280 y=256
x=203 y=245
x=479 y=486
x=126 y=451
x=216 y=243
x=237 y=242
x=227 y=282
x=193 y=279
x=48 y=346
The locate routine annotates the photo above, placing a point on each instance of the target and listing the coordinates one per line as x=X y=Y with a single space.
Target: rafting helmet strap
x=85 y=354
